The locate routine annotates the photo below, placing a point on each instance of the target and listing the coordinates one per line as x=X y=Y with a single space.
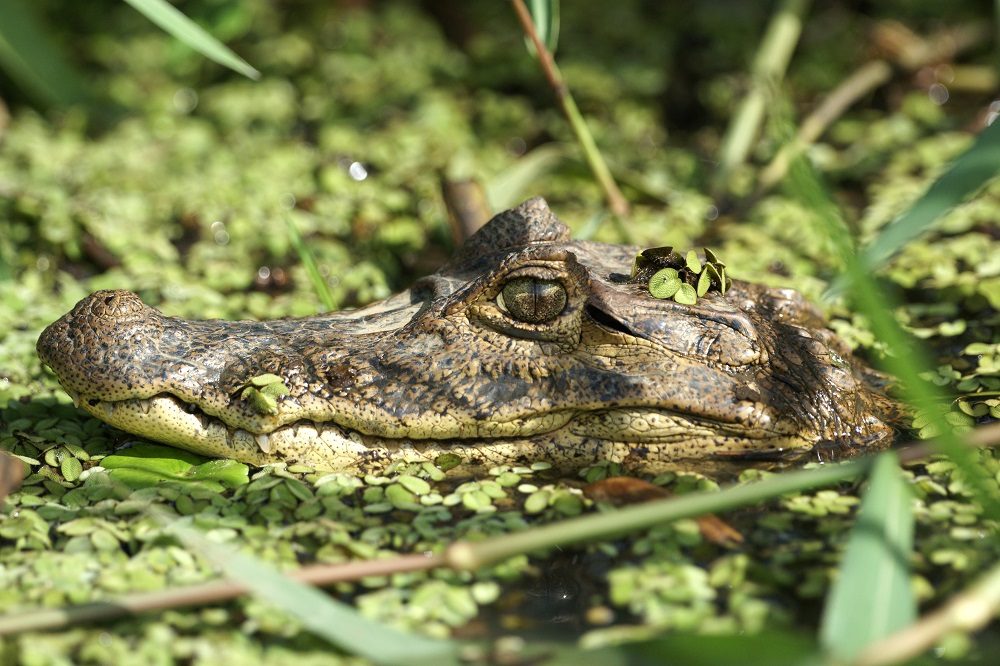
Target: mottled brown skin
x=446 y=367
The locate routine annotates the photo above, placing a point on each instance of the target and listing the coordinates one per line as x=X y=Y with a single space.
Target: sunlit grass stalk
x=309 y=262
x=904 y=360
x=471 y=555
x=205 y=593
x=616 y=200
x=769 y=67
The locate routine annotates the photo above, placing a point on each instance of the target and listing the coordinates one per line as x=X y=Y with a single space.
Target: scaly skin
x=445 y=367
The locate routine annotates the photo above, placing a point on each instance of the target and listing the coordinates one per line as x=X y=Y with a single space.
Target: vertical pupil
x=532 y=300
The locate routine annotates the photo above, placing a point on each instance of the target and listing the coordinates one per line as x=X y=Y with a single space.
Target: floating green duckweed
x=664 y=283
x=684 y=279
x=263 y=391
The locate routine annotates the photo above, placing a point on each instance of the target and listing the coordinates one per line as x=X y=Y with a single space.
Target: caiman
x=525 y=346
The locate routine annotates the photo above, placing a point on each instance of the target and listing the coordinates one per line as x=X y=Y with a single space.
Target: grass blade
x=331 y=620
x=967 y=174
x=305 y=256
x=172 y=21
x=871 y=597
x=34 y=60
x=545 y=14
x=906 y=362
x=616 y=200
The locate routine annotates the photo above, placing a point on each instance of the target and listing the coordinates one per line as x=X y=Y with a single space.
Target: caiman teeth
x=144 y=405
x=264 y=442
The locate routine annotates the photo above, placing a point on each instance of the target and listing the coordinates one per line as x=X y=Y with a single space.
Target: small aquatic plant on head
x=682 y=278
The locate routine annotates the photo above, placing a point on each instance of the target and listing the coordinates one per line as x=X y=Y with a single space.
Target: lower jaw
x=330 y=447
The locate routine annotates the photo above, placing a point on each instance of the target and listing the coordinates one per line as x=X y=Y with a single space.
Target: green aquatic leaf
x=265 y=380
x=872 y=596
x=174 y=22
x=692 y=262
x=664 y=283
x=275 y=390
x=704 y=282
x=260 y=401
x=71 y=468
x=229 y=473
x=156 y=458
x=711 y=258
x=150 y=464
x=686 y=295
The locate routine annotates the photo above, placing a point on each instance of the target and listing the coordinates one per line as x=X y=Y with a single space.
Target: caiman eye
x=532 y=300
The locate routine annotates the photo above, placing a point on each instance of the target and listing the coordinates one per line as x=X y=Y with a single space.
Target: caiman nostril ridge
x=114 y=305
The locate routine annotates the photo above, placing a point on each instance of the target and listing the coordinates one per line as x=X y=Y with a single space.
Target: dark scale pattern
x=444 y=366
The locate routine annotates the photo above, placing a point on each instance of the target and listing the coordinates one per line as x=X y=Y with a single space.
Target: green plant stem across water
x=616 y=200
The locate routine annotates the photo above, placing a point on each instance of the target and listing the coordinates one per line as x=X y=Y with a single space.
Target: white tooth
x=144 y=405
x=264 y=442
x=76 y=399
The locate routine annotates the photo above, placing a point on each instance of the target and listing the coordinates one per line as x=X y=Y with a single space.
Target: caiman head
x=525 y=346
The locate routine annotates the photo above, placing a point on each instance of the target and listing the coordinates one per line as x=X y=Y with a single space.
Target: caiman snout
x=107 y=329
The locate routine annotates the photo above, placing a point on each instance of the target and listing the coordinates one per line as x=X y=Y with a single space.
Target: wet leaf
x=229 y=473
x=155 y=458
x=448 y=461
x=711 y=258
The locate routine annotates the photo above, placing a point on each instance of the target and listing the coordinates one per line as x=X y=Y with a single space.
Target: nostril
x=119 y=305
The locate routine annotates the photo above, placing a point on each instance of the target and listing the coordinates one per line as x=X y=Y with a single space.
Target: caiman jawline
x=166 y=417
